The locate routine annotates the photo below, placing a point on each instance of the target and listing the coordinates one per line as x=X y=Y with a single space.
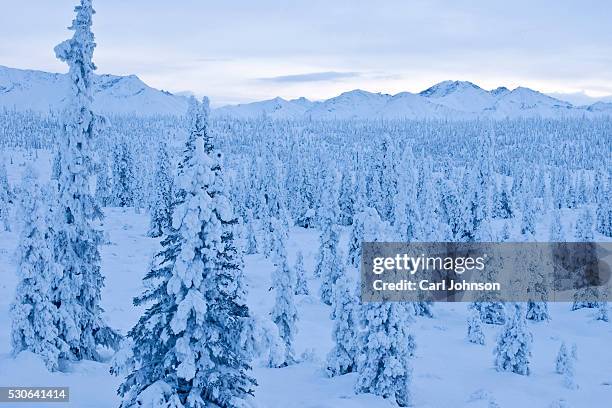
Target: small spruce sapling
x=474 y=333
x=301 y=286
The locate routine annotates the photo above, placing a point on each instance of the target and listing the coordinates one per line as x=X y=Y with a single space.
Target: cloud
x=312 y=77
x=214 y=59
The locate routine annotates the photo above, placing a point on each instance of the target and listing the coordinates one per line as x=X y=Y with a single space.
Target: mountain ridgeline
x=455 y=100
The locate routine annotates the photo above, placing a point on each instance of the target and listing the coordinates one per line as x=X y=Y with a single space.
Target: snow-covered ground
x=448 y=370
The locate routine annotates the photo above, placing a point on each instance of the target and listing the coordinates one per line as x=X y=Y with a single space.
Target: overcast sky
x=237 y=51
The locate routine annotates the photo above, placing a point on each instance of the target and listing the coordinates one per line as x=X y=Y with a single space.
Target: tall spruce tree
x=187 y=344
x=284 y=313
x=77 y=294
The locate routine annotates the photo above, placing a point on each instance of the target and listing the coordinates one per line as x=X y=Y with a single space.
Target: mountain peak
x=530 y=93
x=523 y=89
x=356 y=92
x=447 y=87
x=502 y=90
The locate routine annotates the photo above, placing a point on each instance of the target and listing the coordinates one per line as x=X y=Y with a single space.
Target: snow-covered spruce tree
x=599 y=185
x=429 y=202
x=582 y=192
x=328 y=264
x=187 y=344
x=537 y=311
x=455 y=211
x=77 y=294
x=474 y=328
x=367 y=226
x=423 y=308
x=587 y=292
x=539 y=271
x=404 y=205
x=284 y=312
x=383 y=189
x=571 y=194
x=477 y=200
x=584 y=226
x=328 y=212
x=346 y=199
x=565 y=365
x=528 y=213
x=491 y=310
x=502 y=203
x=264 y=239
x=504 y=234
x=161 y=206
x=251 y=236
x=360 y=194
x=513 y=349
x=602 y=312
x=301 y=284
x=569 y=380
x=5 y=198
x=562 y=357
x=277 y=238
x=602 y=307
x=123 y=175
x=342 y=358
x=575 y=351
x=34 y=314
x=556 y=233
x=604 y=218
x=103 y=185
x=355 y=240
x=603 y=197
x=56 y=165
x=385 y=349
x=262 y=341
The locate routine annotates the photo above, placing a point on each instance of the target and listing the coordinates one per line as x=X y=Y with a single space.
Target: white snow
x=448 y=370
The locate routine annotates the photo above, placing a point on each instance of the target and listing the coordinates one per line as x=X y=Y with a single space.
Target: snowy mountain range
x=43 y=91
x=446 y=100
